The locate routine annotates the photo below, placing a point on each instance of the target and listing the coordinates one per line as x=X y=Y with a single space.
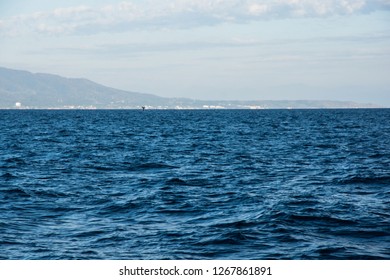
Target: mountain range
x=23 y=89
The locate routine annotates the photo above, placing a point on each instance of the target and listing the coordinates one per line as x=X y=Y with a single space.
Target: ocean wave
x=228 y=184
x=377 y=180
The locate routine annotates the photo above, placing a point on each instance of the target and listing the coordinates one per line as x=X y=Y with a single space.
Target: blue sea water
x=197 y=184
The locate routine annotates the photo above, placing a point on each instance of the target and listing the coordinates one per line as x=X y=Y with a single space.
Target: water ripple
x=213 y=184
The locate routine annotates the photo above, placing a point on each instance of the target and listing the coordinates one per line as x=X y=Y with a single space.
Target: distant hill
x=52 y=91
x=22 y=89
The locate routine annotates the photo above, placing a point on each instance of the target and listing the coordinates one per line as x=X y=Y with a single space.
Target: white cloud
x=53 y=30
x=257 y=9
x=70 y=12
x=178 y=14
x=352 y=6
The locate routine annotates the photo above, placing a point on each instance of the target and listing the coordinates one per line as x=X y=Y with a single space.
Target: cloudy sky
x=207 y=49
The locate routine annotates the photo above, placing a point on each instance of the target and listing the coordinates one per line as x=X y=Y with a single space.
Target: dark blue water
x=223 y=184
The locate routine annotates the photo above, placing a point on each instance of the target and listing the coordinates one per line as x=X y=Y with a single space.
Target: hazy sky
x=207 y=49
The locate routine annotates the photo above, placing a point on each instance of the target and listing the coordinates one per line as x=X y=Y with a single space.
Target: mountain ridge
x=24 y=89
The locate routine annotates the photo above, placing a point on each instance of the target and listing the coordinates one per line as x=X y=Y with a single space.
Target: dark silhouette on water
x=143 y=108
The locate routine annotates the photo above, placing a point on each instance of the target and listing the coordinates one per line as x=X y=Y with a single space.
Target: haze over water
x=203 y=184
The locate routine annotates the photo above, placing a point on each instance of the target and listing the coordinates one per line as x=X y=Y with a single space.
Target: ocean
x=195 y=184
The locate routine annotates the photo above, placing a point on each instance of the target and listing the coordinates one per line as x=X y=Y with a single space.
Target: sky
x=207 y=49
